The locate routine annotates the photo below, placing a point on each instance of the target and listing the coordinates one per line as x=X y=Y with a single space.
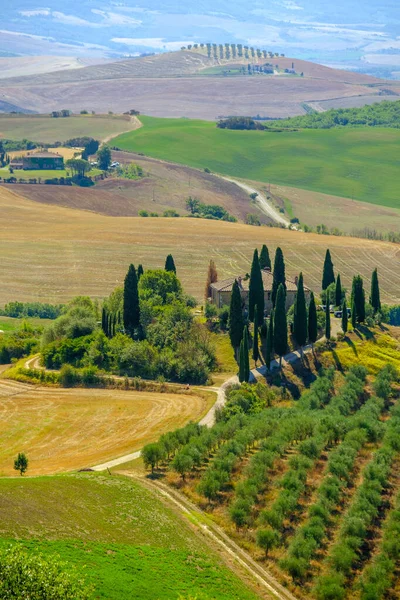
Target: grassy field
x=124 y=539
x=42 y=173
x=66 y=429
x=43 y=128
x=359 y=163
x=53 y=254
x=9 y=324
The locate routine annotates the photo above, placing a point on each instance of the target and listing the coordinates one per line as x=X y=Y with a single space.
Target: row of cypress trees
x=274 y=337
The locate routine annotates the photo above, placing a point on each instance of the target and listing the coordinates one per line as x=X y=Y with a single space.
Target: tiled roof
x=226 y=284
x=44 y=155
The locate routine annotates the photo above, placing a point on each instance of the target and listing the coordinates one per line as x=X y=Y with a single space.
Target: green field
x=361 y=163
x=41 y=173
x=42 y=128
x=128 y=544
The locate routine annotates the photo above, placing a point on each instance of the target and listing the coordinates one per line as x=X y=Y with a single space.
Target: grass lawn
x=43 y=128
x=126 y=542
x=360 y=162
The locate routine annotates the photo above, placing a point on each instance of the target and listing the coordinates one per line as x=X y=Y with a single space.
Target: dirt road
x=265 y=206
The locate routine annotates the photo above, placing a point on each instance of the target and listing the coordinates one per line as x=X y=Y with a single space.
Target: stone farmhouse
x=221 y=291
x=47 y=161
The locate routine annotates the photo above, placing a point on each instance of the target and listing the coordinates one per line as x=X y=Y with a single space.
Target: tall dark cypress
x=312 y=321
x=109 y=325
x=280 y=324
x=131 y=302
x=236 y=322
x=104 y=320
x=246 y=360
x=353 y=314
x=256 y=351
x=279 y=276
x=263 y=339
x=328 y=275
x=114 y=325
x=170 y=264
x=327 y=322
x=300 y=315
x=358 y=296
x=338 y=291
x=140 y=272
x=375 y=298
x=256 y=290
x=270 y=342
x=244 y=364
x=265 y=261
x=345 y=317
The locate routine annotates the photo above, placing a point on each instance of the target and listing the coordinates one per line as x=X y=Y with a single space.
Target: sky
x=357 y=34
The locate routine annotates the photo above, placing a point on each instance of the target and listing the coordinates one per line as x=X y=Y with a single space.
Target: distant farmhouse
x=221 y=291
x=38 y=161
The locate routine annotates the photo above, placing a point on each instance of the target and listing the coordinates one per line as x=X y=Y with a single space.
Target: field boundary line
x=217 y=535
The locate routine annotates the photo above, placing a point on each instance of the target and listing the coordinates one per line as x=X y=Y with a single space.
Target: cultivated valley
x=199 y=321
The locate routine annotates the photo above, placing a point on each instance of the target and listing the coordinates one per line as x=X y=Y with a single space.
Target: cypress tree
x=212 y=277
x=256 y=351
x=278 y=275
x=114 y=324
x=131 y=302
x=338 y=291
x=328 y=275
x=327 y=323
x=170 y=264
x=312 y=321
x=300 y=315
x=263 y=338
x=345 y=318
x=246 y=360
x=358 y=296
x=270 y=339
x=104 y=320
x=236 y=322
x=256 y=290
x=375 y=298
x=244 y=364
x=140 y=272
x=353 y=314
x=265 y=261
x=241 y=362
x=109 y=325
x=280 y=324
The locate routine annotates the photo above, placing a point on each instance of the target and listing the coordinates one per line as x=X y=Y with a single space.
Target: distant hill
x=179 y=84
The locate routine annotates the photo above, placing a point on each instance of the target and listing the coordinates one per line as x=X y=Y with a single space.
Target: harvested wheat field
x=65 y=429
x=53 y=254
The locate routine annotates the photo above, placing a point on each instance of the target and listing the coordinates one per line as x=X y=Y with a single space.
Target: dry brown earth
x=62 y=429
x=53 y=253
x=171 y=85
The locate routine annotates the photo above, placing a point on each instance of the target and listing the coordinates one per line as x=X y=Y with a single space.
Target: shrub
x=69 y=377
x=36 y=577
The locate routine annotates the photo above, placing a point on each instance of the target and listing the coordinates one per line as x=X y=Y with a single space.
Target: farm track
x=218 y=537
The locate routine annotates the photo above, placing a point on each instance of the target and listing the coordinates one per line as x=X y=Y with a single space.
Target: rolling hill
x=172 y=85
x=358 y=163
x=94 y=250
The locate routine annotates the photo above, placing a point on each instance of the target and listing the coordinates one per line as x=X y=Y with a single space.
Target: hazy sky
x=348 y=32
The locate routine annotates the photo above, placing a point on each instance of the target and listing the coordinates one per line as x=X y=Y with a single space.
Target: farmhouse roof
x=44 y=155
x=226 y=284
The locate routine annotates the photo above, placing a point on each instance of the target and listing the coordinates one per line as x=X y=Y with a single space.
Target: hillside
x=21 y=66
x=93 y=251
x=119 y=535
x=44 y=128
x=171 y=84
x=164 y=186
x=359 y=163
